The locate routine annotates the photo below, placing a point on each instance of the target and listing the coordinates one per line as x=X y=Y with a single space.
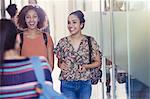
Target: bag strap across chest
x=90 y=49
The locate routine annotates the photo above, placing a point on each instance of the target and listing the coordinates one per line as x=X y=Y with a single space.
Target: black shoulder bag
x=96 y=73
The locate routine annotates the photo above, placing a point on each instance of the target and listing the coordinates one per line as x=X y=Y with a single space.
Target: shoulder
x=40 y=58
x=20 y=33
x=93 y=42
x=63 y=39
x=43 y=61
x=61 y=43
x=91 y=37
x=47 y=35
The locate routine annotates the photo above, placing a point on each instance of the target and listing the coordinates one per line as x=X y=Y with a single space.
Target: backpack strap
x=45 y=38
x=45 y=41
x=90 y=48
x=21 y=42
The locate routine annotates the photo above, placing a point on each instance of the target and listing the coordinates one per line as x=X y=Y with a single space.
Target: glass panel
x=0 y=9
x=138 y=49
x=139 y=46
x=119 y=42
x=120 y=39
x=132 y=46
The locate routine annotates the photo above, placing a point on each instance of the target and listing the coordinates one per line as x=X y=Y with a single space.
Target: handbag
x=47 y=91
x=96 y=73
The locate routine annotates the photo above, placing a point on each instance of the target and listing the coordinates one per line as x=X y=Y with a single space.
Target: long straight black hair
x=8 y=33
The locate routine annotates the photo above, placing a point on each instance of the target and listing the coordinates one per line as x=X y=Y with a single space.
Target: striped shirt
x=18 y=80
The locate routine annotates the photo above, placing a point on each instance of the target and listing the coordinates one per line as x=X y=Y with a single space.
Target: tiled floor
x=97 y=92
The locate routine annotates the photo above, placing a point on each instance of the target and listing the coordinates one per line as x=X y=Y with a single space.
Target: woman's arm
x=96 y=62
x=50 y=49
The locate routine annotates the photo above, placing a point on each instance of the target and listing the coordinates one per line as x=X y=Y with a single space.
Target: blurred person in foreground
x=17 y=76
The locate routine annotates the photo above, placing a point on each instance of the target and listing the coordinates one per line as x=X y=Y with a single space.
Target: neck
x=76 y=36
x=32 y=33
x=32 y=30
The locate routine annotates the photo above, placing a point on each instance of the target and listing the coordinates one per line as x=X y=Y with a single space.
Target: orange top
x=36 y=47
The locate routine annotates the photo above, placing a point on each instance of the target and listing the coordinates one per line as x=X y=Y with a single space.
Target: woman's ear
x=82 y=25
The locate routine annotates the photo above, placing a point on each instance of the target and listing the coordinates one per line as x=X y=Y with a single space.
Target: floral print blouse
x=65 y=52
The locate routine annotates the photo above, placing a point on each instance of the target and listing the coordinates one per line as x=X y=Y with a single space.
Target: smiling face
x=31 y=19
x=74 y=25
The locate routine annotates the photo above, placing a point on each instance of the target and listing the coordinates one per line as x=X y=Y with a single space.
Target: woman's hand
x=82 y=69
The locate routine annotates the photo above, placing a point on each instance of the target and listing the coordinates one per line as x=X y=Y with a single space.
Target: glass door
x=125 y=40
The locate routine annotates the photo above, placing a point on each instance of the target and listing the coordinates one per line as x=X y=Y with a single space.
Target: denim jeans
x=76 y=89
x=137 y=89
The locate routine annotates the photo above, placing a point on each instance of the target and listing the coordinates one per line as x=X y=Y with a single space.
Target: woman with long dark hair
x=17 y=77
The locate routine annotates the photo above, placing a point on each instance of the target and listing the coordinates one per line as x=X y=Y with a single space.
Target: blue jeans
x=137 y=90
x=76 y=89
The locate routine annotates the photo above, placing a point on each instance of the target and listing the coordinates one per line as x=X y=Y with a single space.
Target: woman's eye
x=27 y=17
x=74 y=22
x=68 y=22
x=35 y=16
